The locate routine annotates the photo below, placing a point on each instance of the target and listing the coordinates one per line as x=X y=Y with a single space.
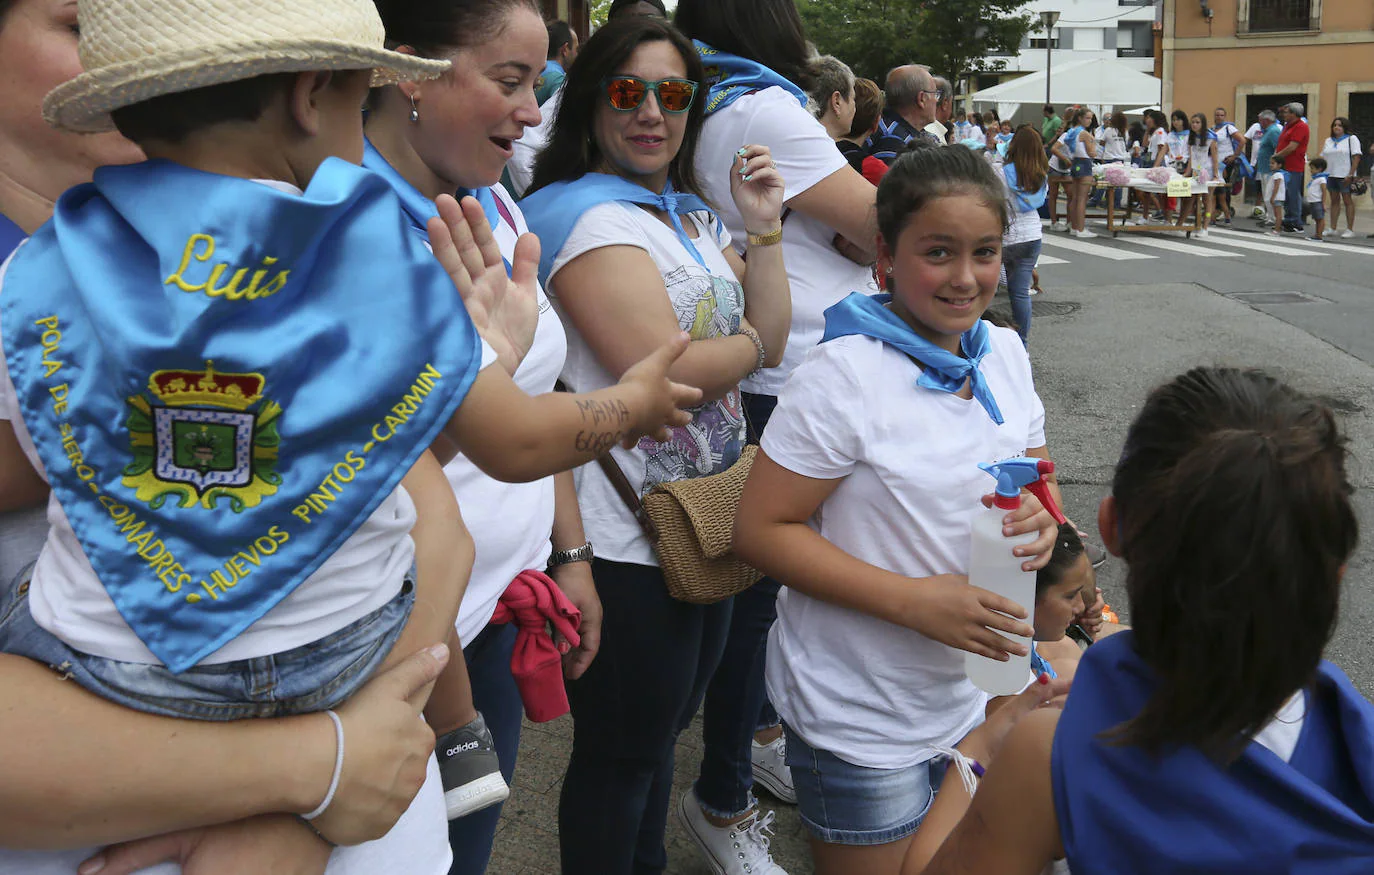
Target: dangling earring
x=414 y=111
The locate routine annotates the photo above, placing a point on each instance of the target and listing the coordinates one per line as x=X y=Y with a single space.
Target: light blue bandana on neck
x=552 y=211
x=730 y=77
x=941 y=370
x=224 y=380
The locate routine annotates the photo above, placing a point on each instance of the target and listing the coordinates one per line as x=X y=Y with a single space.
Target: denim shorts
x=313 y=677
x=1338 y=184
x=1082 y=167
x=1316 y=211
x=844 y=804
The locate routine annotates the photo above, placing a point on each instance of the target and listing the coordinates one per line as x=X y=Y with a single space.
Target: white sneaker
x=738 y=849
x=1061 y=225
x=1201 y=232
x=1347 y=233
x=1084 y=234
x=769 y=762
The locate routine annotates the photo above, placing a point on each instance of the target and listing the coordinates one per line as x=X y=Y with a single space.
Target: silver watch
x=567 y=557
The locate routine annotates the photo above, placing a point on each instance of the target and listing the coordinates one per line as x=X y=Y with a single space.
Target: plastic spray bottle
x=993 y=567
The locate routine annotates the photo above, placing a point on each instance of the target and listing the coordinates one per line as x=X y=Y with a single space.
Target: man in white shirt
x=1229 y=145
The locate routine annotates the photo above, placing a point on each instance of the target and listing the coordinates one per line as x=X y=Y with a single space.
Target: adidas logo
x=463 y=748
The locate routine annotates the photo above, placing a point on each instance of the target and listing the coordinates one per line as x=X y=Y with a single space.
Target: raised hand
x=662 y=403
x=757 y=188
x=504 y=308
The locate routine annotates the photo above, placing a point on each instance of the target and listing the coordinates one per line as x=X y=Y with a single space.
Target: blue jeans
x=495 y=695
x=1292 y=200
x=657 y=656
x=737 y=703
x=1020 y=259
x=314 y=677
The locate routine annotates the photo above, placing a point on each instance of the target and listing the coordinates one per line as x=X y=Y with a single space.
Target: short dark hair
x=868 y=107
x=1049 y=109
x=923 y=174
x=769 y=32
x=1068 y=549
x=1232 y=502
x=619 y=6
x=435 y=27
x=171 y=118
x=1319 y=163
x=560 y=35
x=572 y=150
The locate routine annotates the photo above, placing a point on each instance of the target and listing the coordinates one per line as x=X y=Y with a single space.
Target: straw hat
x=134 y=50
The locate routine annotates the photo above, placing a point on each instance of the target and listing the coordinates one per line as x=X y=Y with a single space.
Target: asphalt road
x=1117 y=318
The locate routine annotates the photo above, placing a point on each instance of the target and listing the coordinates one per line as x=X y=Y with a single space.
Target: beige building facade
x=1249 y=55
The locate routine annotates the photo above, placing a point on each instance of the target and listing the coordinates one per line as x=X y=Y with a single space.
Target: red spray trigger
x=1024 y=472
x=1041 y=490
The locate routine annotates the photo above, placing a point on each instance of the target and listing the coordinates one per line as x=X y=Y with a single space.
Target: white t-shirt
x=819 y=275
x=416 y=845
x=1338 y=155
x=510 y=523
x=1024 y=226
x=1316 y=190
x=1254 y=134
x=1112 y=145
x=1278 y=188
x=527 y=148
x=1201 y=157
x=1177 y=143
x=67 y=599
x=870 y=692
x=1226 y=147
x=709 y=302
x=1158 y=140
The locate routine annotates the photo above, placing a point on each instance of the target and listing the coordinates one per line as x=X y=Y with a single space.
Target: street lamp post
x=1048 y=19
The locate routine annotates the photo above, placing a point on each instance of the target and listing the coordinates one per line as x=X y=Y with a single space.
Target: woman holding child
x=632 y=254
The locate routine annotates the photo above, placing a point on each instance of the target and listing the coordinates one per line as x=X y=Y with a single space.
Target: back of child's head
x=1235 y=519
x=1319 y=164
x=926 y=172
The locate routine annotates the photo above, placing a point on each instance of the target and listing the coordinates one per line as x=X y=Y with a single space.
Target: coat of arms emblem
x=211 y=437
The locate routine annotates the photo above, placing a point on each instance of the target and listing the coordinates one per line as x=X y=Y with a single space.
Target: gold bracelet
x=770 y=239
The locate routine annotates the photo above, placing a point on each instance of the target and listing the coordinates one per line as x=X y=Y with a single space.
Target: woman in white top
x=1026 y=174
x=1113 y=143
x=861 y=502
x=1077 y=148
x=1342 y=152
x=632 y=255
x=1202 y=166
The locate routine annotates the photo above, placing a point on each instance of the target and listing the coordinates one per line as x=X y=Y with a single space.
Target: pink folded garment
x=534 y=602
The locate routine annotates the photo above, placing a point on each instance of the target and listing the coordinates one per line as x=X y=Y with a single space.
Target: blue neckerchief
x=1040 y=665
x=1336 y=141
x=1071 y=138
x=1004 y=138
x=1123 y=810
x=552 y=211
x=418 y=208
x=11 y=235
x=730 y=77
x=225 y=380
x=1025 y=201
x=940 y=370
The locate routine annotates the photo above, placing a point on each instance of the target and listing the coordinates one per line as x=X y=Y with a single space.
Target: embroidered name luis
x=201 y=247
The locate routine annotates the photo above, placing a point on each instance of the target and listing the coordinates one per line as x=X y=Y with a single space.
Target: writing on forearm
x=598 y=442
x=611 y=412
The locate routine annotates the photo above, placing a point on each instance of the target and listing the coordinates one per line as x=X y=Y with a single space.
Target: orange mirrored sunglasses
x=626 y=93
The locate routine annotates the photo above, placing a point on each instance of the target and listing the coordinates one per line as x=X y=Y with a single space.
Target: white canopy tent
x=1099 y=82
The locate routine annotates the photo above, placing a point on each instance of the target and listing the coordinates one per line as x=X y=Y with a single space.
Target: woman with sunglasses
x=759 y=69
x=631 y=254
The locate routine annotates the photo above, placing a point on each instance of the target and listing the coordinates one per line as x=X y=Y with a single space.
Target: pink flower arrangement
x=1158 y=175
x=1117 y=174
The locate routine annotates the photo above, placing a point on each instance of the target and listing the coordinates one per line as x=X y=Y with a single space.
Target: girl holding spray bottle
x=862 y=500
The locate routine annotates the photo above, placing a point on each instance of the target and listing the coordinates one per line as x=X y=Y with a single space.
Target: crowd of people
x=329 y=457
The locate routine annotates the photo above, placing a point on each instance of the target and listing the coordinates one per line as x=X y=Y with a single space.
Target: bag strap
x=622 y=487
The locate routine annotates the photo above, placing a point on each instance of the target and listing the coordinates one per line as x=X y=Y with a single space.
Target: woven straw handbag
x=691 y=525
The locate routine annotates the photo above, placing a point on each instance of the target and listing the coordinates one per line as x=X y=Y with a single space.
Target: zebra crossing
x=1061 y=248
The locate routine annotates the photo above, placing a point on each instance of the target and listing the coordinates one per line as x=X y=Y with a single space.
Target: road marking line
x=1050 y=259
x=1185 y=248
x=1296 y=240
x=1076 y=245
x=1272 y=248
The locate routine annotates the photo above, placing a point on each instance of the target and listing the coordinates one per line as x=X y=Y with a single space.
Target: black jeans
x=737 y=701
x=657 y=655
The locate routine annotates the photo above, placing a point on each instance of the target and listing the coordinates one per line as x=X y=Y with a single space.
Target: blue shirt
x=549 y=81
x=1268 y=144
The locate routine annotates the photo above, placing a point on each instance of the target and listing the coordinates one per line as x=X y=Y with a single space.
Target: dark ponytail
x=1235 y=520
x=436 y=27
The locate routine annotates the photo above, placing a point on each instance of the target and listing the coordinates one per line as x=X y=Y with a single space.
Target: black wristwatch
x=567 y=557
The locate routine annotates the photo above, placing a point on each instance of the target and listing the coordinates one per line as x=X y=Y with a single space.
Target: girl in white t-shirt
x=1342 y=153
x=631 y=254
x=1202 y=165
x=861 y=503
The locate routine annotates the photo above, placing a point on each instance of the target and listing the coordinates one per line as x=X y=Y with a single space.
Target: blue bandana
x=225 y=380
x=552 y=211
x=940 y=370
x=1121 y=809
x=730 y=77
x=1025 y=201
x=420 y=209
x=1071 y=138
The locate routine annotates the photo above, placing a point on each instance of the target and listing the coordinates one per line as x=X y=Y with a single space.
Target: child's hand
x=661 y=403
x=1031 y=516
x=1091 y=619
x=947 y=609
x=504 y=308
x=757 y=189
